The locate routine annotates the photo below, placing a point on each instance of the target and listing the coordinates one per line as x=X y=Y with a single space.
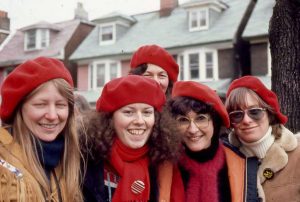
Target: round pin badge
x=268 y=173
x=137 y=187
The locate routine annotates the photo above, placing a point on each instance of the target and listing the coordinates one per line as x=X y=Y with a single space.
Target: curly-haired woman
x=127 y=144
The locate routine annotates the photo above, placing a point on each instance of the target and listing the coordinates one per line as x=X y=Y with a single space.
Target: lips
x=194 y=138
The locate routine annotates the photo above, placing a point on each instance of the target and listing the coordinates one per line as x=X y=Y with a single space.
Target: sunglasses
x=201 y=121
x=254 y=113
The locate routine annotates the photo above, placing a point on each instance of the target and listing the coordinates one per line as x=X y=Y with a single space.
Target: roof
x=258 y=24
x=169 y=32
x=13 y=52
x=172 y=31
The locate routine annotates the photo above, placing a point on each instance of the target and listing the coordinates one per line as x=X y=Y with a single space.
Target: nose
x=51 y=113
x=246 y=118
x=192 y=128
x=155 y=78
x=139 y=119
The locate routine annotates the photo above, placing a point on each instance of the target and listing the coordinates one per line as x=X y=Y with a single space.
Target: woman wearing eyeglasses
x=209 y=170
x=259 y=133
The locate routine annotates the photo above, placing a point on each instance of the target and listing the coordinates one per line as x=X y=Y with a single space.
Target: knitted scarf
x=132 y=166
x=50 y=153
x=203 y=177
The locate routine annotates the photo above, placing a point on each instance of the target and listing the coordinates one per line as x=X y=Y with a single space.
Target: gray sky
x=27 y=12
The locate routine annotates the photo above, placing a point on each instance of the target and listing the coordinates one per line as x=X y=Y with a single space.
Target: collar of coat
x=276 y=157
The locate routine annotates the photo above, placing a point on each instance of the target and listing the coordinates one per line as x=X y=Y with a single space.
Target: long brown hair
x=69 y=166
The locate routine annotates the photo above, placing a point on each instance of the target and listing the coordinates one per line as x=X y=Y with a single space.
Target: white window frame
x=92 y=73
x=38 y=39
x=107 y=42
x=197 y=12
x=202 y=64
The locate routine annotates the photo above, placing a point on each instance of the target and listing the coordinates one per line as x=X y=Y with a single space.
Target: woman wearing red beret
x=258 y=132
x=155 y=62
x=209 y=169
x=39 y=150
x=127 y=144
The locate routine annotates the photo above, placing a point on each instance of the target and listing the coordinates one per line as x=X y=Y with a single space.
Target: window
x=194 y=65
x=100 y=72
x=44 y=39
x=198 y=19
x=113 y=70
x=209 y=65
x=199 y=64
x=31 y=39
x=100 y=75
x=36 y=39
x=107 y=34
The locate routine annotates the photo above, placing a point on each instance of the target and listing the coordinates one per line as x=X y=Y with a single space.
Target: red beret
x=130 y=89
x=25 y=78
x=202 y=93
x=259 y=88
x=156 y=55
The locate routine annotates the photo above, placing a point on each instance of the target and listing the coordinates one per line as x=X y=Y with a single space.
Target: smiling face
x=133 y=124
x=46 y=113
x=159 y=75
x=250 y=130
x=197 y=138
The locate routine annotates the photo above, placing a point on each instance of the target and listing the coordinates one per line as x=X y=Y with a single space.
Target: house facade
x=199 y=34
x=57 y=40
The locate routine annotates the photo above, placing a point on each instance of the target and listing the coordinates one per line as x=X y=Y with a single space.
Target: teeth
x=49 y=126
x=136 y=132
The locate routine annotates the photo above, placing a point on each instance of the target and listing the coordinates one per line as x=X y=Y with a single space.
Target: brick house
x=57 y=40
x=4 y=26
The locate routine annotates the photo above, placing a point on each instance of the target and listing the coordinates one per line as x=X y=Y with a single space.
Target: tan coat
x=283 y=159
x=16 y=182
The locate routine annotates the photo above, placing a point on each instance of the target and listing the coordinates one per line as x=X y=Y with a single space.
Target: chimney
x=4 y=26
x=80 y=13
x=167 y=6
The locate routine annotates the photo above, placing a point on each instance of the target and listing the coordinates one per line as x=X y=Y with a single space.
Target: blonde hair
x=69 y=165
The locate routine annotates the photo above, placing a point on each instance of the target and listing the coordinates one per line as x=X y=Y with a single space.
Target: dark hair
x=141 y=69
x=164 y=141
x=183 y=105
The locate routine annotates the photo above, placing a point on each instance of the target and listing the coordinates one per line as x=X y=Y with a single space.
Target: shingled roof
x=173 y=32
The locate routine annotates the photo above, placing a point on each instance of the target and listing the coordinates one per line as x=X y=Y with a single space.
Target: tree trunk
x=284 y=36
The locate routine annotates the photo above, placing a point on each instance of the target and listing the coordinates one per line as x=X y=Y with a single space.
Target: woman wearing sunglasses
x=258 y=132
x=209 y=170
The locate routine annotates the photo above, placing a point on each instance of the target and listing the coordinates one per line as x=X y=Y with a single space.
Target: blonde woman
x=39 y=152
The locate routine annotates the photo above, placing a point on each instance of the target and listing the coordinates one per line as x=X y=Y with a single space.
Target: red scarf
x=132 y=166
x=203 y=177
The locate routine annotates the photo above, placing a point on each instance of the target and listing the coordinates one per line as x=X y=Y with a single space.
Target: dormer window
x=36 y=39
x=198 y=19
x=107 y=34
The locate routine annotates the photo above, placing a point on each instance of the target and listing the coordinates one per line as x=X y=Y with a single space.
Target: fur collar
x=276 y=157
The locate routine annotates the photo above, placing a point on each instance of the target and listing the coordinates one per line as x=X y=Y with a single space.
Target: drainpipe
x=241 y=48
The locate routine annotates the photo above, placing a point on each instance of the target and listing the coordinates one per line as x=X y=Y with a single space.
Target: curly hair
x=141 y=69
x=164 y=141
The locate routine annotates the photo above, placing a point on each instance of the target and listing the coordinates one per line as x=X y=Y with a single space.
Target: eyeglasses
x=254 y=113
x=201 y=121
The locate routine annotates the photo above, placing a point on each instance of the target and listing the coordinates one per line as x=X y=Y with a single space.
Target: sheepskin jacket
x=278 y=175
